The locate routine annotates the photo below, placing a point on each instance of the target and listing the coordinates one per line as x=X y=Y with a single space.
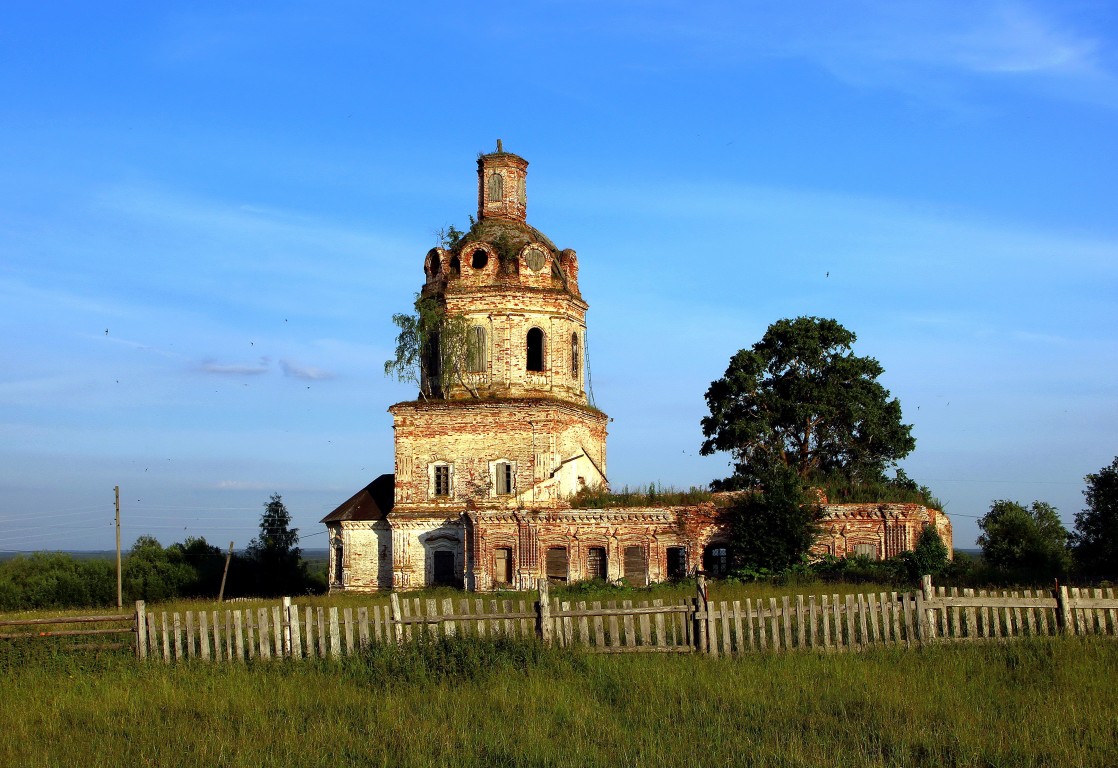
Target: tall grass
x=654 y=495
x=500 y=702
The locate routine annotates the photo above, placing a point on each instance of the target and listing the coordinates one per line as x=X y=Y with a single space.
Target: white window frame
x=494 y=478
x=432 y=473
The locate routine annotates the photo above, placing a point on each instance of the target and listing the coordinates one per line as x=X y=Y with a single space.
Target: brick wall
x=550 y=445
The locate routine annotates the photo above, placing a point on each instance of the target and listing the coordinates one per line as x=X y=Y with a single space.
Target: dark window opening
x=716 y=561
x=574 y=356
x=443 y=571
x=475 y=350
x=502 y=565
x=596 y=563
x=433 y=357
x=504 y=478
x=636 y=567
x=339 y=570
x=480 y=259
x=434 y=264
x=535 y=349
x=442 y=480
x=677 y=562
x=557 y=564
x=455 y=267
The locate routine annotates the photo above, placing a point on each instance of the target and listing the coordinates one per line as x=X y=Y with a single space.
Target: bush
x=55 y=580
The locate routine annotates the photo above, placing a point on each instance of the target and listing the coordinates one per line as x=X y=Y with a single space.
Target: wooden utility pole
x=225 y=573
x=119 y=590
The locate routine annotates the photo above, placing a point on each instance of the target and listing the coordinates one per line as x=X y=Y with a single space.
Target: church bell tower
x=503 y=421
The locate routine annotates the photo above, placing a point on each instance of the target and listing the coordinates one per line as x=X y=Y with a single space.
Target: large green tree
x=1095 y=539
x=799 y=398
x=1025 y=543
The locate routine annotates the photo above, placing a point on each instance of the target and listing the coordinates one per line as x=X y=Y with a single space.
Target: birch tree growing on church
x=433 y=350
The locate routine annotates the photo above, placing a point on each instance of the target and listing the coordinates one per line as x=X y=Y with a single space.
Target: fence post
x=701 y=639
x=397 y=627
x=141 y=630
x=1063 y=610
x=928 y=620
x=543 y=613
x=286 y=627
x=922 y=623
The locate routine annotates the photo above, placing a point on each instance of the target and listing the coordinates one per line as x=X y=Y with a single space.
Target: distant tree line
x=271 y=565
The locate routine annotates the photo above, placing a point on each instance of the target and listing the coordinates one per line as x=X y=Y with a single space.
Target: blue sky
x=210 y=211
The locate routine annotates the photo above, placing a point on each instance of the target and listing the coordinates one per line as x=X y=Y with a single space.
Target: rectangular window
x=502 y=565
x=596 y=563
x=442 y=480
x=556 y=564
x=339 y=564
x=636 y=567
x=677 y=562
x=866 y=550
x=504 y=478
x=475 y=350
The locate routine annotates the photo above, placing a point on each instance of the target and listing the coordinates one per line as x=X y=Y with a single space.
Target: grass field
x=1046 y=702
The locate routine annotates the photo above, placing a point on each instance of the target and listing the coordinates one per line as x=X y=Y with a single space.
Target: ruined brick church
x=485 y=468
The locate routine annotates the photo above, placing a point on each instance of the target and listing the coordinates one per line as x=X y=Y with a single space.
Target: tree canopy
x=1026 y=543
x=1095 y=539
x=800 y=398
x=279 y=568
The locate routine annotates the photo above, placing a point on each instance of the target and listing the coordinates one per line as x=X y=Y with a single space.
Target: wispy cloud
x=242 y=485
x=235 y=369
x=297 y=370
x=925 y=49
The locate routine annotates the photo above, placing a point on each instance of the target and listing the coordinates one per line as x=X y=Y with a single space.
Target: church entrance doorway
x=443 y=571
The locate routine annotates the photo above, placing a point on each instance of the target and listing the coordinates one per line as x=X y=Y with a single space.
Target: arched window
x=433 y=359
x=496 y=187
x=574 y=356
x=535 y=349
x=475 y=350
x=479 y=259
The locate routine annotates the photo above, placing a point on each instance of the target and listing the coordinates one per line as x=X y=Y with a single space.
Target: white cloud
x=297 y=370
x=235 y=369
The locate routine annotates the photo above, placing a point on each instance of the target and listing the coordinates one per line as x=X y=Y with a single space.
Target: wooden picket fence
x=695 y=625
x=74 y=631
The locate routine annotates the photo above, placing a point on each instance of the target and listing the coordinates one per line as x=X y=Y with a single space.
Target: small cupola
x=502 y=186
